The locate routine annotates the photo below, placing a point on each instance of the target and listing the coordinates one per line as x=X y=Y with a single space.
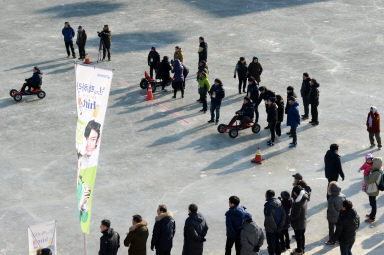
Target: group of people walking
x=69 y=33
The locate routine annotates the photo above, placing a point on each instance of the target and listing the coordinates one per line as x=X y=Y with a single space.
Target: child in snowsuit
x=366 y=167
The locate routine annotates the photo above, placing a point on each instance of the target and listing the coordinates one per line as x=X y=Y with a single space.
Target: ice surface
x=149 y=155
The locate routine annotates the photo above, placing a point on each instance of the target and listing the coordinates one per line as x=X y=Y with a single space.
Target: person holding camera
x=105 y=41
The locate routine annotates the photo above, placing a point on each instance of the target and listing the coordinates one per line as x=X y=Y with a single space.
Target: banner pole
x=85 y=244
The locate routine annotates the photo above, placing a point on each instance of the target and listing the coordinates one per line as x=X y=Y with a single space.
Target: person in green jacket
x=136 y=239
x=372 y=181
x=204 y=87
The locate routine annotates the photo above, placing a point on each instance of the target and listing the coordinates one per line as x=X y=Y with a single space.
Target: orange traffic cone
x=149 y=94
x=258 y=158
x=86 y=59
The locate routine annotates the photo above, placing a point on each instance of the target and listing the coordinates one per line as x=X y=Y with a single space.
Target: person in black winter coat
x=245 y=114
x=163 y=231
x=242 y=72
x=195 y=230
x=265 y=94
x=253 y=94
x=304 y=91
x=217 y=94
x=255 y=69
x=287 y=203
x=105 y=39
x=272 y=119
x=153 y=61
x=314 y=101
x=280 y=114
x=346 y=227
x=81 y=41
x=299 y=218
x=33 y=82
x=110 y=240
x=163 y=72
x=203 y=50
x=185 y=74
x=332 y=163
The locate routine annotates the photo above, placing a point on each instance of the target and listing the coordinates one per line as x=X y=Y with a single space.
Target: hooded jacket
x=81 y=38
x=136 y=239
x=154 y=59
x=109 y=242
x=290 y=94
x=178 y=71
x=314 y=94
x=234 y=219
x=299 y=211
x=293 y=115
x=247 y=110
x=335 y=202
x=333 y=166
x=241 y=69
x=373 y=121
x=287 y=203
x=163 y=232
x=367 y=167
x=374 y=178
x=179 y=55
x=217 y=94
x=272 y=113
x=305 y=88
x=204 y=85
x=36 y=80
x=255 y=70
x=68 y=33
x=253 y=92
x=265 y=96
x=251 y=238
x=274 y=216
x=195 y=230
x=346 y=227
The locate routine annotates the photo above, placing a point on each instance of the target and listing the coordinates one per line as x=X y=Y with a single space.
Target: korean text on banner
x=42 y=236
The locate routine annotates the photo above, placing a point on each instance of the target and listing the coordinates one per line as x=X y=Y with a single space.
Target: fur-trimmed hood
x=164 y=215
x=138 y=225
x=334 y=188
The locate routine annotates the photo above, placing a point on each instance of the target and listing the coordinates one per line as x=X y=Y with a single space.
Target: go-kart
x=144 y=83
x=233 y=130
x=18 y=95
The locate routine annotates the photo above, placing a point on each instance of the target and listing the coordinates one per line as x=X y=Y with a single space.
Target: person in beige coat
x=372 y=181
x=178 y=54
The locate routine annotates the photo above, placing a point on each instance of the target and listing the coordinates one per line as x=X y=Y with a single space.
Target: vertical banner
x=92 y=91
x=42 y=236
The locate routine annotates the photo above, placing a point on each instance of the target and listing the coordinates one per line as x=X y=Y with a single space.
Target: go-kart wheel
x=256 y=128
x=12 y=92
x=41 y=94
x=222 y=128
x=17 y=97
x=153 y=85
x=144 y=83
x=233 y=133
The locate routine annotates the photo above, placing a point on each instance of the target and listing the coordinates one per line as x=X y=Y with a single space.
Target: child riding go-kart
x=33 y=84
x=242 y=120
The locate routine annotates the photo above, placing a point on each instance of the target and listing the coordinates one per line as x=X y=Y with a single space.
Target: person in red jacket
x=373 y=127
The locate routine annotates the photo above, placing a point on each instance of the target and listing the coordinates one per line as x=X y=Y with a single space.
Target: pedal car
x=233 y=130
x=144 y=83
x=18 y=95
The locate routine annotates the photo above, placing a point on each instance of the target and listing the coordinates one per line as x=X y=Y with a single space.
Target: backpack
x=381 y=184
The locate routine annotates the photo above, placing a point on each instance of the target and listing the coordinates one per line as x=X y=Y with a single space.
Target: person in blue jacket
x=68 y=33
x=245 y=114
x=234 y=219
x=178 y=78
x=293 y=118
x=34 y=82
